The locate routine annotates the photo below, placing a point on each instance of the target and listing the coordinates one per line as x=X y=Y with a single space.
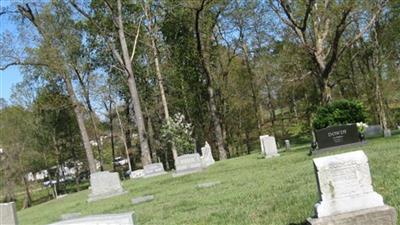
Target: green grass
x=277 y=191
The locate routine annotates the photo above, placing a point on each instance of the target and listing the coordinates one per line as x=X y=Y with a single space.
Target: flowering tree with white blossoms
x=361 y=127
x=178 y=132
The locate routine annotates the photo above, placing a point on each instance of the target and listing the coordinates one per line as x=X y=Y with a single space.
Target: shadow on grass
x=301 y=223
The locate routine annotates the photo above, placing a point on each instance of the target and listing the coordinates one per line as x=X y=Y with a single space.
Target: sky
x=11 y=75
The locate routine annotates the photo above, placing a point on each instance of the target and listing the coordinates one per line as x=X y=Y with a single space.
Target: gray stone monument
x=188 y=163
x=387 y=133
x=8 y=214
x=137 y=174
x=154 y=169
x=206 y=155
x=103 y=219
x=346 y=193
x=287 y=145
x=104 y=185
x=268 y=146
x=373 y=131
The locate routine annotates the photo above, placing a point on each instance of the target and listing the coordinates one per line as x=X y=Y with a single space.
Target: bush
x=339 y=112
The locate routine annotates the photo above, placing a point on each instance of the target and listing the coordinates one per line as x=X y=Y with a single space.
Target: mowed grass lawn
x=277 y=191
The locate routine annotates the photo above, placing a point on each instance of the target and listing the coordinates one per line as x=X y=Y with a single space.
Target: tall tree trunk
x=204 y=67
x=124 y=139
x=81 y=123
x=127 y=62
x=91 y=115
x=153 y=28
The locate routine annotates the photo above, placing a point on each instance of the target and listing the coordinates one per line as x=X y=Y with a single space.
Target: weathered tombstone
x=136 y=174
x=188 y=163
x=154 y=169
x=268 y=146
x=373 y=131
x=335 y=136
x=346 y=193
x=208 y=184
x=146 y=198
x=104 y=185
x=8 y=214
x=206 y=155
x=103 y=219
x=287 y=145
x=387 y=133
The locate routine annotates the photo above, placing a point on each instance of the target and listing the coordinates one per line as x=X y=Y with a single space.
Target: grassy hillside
x=277 y=191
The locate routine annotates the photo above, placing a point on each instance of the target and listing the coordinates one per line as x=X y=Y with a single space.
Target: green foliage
x=178 y=132
x=339 y=112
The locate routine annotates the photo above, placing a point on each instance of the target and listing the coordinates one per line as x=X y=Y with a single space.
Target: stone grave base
x=185 y=172
x=103 y=219
x=154 y=174
x=93 y=198
x=271 y=156
x=383 y=215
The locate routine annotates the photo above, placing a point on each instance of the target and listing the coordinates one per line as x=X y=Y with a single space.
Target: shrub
x=339 y=112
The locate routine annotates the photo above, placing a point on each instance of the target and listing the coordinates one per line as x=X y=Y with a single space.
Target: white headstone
x=103 y=219
x=8 y=214
x=104 y=185
x=345 y=185
x=188 y=163
x=287 y=144
x=206 y=155
x=154 y=169
x=136 y=174
x=268 y=146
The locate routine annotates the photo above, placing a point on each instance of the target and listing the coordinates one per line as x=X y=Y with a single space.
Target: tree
x=319 y=28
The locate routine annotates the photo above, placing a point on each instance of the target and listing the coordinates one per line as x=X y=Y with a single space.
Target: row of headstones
x=344 y=184
x=184 y=164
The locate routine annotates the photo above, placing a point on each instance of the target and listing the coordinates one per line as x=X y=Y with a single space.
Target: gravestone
x=268 y=146
x=387 y=133
x=104 y=185
x=287 y=145
x=335 y=136
x=373 y=131
x=188 y=163
x=206 y=155
x=8 y=214
x=103 y=219
x=146 y=198
x=346 y=193
x=136 y=174
x=154 y=169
